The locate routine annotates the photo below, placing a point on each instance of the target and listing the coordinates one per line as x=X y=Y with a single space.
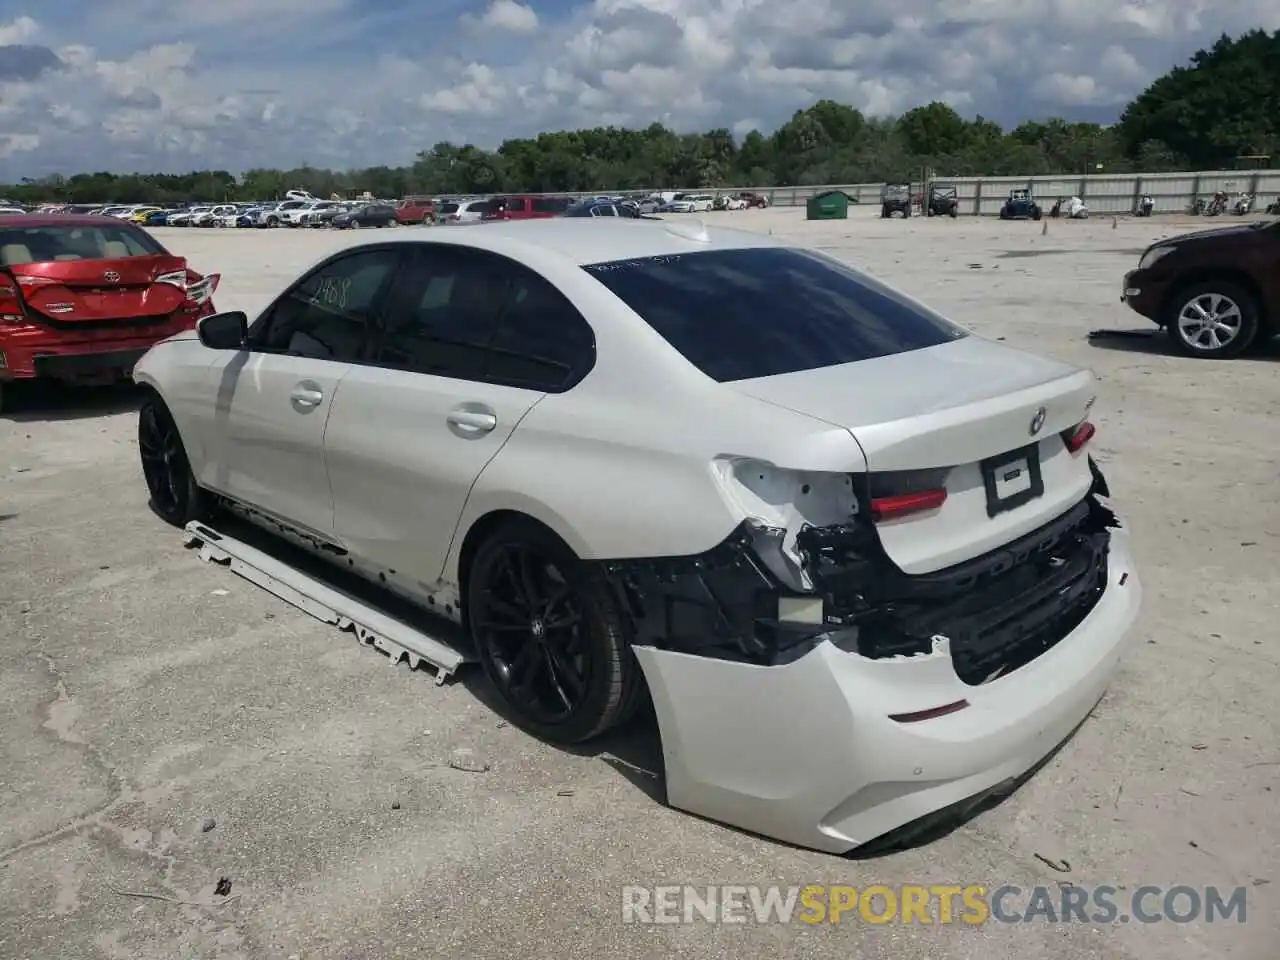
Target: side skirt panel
x=327 y=604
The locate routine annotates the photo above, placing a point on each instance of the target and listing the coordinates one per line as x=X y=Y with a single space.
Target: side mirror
x=224 y=331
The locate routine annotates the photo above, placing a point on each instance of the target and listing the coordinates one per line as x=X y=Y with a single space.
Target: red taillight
x=201 y=290
x=904 y=504
x=1078 y=436
x=930 y=714
x=10 y=304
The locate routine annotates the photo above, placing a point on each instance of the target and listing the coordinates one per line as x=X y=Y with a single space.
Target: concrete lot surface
x=143 y=692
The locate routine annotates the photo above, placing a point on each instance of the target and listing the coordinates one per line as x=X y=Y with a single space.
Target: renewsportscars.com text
x=972 y=904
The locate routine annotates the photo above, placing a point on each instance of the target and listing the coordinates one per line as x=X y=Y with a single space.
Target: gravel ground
x=142 y=692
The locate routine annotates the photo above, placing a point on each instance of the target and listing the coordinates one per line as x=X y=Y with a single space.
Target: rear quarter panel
x=621 y=465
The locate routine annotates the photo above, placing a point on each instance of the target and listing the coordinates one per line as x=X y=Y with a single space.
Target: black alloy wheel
x=174 y=496
x=549 y=636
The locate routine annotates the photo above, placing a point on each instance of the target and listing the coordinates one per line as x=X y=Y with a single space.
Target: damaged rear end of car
x=868 y=648
x=83 y=298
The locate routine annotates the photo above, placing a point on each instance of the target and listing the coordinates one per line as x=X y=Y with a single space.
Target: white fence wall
x=1104 y=193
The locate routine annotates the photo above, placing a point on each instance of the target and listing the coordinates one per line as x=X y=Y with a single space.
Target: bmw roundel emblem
x=1037 y=422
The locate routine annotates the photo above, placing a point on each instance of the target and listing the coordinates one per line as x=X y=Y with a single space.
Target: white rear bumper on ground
x=807 y=753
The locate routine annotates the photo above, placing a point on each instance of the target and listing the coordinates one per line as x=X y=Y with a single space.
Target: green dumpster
x=832 y=205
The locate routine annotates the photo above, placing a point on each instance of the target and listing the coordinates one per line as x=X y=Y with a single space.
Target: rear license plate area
x=1012 y=479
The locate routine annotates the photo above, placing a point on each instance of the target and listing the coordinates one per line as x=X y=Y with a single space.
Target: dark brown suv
x=1216 y=292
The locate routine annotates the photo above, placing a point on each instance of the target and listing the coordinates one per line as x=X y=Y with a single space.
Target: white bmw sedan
x=860 y=560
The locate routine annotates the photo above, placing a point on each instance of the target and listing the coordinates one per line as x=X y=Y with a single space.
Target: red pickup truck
x=529 y=207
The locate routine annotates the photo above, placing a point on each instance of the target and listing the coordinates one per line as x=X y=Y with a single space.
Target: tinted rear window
x=739 y=314
x=42 y=244
x=448 y=208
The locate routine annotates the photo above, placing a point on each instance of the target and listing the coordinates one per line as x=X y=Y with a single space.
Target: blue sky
x=171 y=85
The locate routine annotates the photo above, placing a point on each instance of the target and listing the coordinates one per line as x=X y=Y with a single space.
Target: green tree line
x=1225 y=103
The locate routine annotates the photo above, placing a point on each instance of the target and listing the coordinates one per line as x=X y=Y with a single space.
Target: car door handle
x=472 y=421
x=307 y=394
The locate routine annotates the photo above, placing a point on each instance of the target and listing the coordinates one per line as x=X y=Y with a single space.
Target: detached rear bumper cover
x=806 y=752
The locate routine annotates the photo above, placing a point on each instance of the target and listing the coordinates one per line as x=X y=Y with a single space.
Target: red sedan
x=82 y=298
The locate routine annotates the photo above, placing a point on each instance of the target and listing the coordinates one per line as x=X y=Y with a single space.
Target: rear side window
x=448 y=208
x=542 y=342
x=740 y=314
x=550 y=204
x=515 y=205
x=44 y=244
x=446 y=314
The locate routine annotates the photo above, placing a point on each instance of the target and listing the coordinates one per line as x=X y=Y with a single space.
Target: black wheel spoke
x=564 y=622
x=507 y=612
x=528 y=579
x=564 y=670
x=524 y=670
x=555 y=680
x=504 y=627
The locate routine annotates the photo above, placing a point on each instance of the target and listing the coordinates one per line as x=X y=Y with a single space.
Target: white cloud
x=179 y=84
x=21 y=30
x=509 y=15
x=480 y=94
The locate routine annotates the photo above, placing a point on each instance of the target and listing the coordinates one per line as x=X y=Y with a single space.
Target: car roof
x=62 y=220
x=583 y=241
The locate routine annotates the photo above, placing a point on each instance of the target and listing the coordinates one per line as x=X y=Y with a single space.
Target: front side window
x=328 y=315
x=759 y=312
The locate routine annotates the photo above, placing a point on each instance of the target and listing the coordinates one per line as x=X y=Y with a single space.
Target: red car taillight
x=198 y=292
x=12 y=312
x=10 y=304
x=905 y=504
x=1078 y=436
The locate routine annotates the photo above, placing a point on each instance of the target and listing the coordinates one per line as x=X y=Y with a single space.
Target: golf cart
x=895 y=198
x=1020 y=206
x=942 y=200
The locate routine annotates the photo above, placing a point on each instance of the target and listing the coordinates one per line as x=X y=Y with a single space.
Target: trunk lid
x=939 y=418
x=70 y=291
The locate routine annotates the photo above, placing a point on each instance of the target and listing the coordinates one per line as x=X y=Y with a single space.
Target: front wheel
x=1214 y=320
x=174 y=495
x=355 y=224
x=550 y=636
x=953 y=213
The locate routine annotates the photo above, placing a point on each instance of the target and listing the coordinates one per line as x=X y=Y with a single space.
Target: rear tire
x=1190 y=316
x=174 y=495
x=550 y=635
